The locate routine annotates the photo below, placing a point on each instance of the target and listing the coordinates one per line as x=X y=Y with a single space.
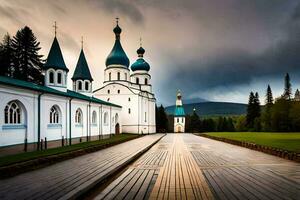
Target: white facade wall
x=179 y=124
x=12 y=134
x=54 y=131
x=134 y=106
x=111 y=73
x=15 y=134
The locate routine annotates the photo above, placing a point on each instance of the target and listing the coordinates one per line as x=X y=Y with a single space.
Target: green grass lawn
x=11 y=159
x=285 y=141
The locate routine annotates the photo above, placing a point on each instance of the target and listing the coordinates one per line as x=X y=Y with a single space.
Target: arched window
x=105 y=118
x=94 y=117
x=12 y=113
x=118 y=91
x=87 y=86
x=145 y=117
x=137 y=81
x=51 y=77
x=79 y=85
x=108 y=99
x=78 y=116
x=129 y=111
x=108 y=91
x=177 y=120
x=54 y=115
x=119 y=76
x=129 y=99
x=109 y=76
x=59 y=78
x=146 y=81
x=182 y=120
x=125 y=76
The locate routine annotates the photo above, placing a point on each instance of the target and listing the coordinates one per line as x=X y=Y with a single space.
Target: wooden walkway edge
x=72 y=178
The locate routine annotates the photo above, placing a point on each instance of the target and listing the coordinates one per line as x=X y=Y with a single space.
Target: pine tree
x=297 y=95
x=287 y=87
x=225 y=125
x=250 y=110
x=269 y=96
x=6 y=56
x=220 y=124
x=161 y=119
x=253 y=110
x=230 y=126
x=256 y=105
x=195 y=122
x=266 y=115
x=27 y=62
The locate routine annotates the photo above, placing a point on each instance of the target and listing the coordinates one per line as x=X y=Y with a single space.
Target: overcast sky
x=217 y=50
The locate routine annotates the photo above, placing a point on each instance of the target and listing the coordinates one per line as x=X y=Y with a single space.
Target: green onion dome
x=117 y=55
x=140 y=63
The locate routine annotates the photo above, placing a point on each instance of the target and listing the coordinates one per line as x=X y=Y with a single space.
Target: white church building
x=37 y=116
x=179 y=115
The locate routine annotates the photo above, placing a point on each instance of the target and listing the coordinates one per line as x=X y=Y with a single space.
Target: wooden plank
x=72 y=177
x=144 y=187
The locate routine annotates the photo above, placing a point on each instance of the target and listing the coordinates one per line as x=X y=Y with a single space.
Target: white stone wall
x=134 y=100
x=11 y=134
x=113 y=70
x=54 y=131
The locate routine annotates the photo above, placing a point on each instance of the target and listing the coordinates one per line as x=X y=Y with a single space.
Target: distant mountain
x=212 y=108
x=195 y=100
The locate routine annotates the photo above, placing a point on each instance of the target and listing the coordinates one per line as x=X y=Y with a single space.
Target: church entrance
x=117 y=128
x=179 y=129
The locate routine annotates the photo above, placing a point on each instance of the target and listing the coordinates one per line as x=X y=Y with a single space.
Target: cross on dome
x=55 y=28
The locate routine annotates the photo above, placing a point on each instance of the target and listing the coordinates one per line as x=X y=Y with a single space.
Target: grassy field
x=285 y=141
x=10 y=159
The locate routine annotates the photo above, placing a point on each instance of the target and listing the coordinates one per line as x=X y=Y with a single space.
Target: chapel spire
x=55 y=69
x=82 y=78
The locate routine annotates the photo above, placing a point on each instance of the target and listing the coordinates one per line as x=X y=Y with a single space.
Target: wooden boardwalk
x=185 y=166
x=71 y=178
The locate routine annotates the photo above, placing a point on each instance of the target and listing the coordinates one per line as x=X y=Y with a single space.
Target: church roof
x=140 y=63
x=55 y=59
x=117 y=55
x=179 y=111
x=82 y=70
x=45 y=89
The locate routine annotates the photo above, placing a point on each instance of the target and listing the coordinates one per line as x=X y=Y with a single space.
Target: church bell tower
x=179 y=115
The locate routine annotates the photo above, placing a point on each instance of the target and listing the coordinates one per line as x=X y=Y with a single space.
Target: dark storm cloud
x=239 y=66
x=296 y=14
x=122 y=8
x=200 y=46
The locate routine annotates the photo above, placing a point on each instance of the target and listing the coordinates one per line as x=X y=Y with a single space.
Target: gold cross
x=81 y=42
x=55 y=28
x=117 y=19
x=140 y=41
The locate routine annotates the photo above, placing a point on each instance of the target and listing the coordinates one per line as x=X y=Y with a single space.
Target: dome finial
x=55 y=28
x=117 y=30
x=140 y=50
x=81 y=42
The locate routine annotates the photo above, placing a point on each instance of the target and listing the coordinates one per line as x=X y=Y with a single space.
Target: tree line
x=20 y=58
x=277 y=115
x=193 y=123
x=281 y=114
